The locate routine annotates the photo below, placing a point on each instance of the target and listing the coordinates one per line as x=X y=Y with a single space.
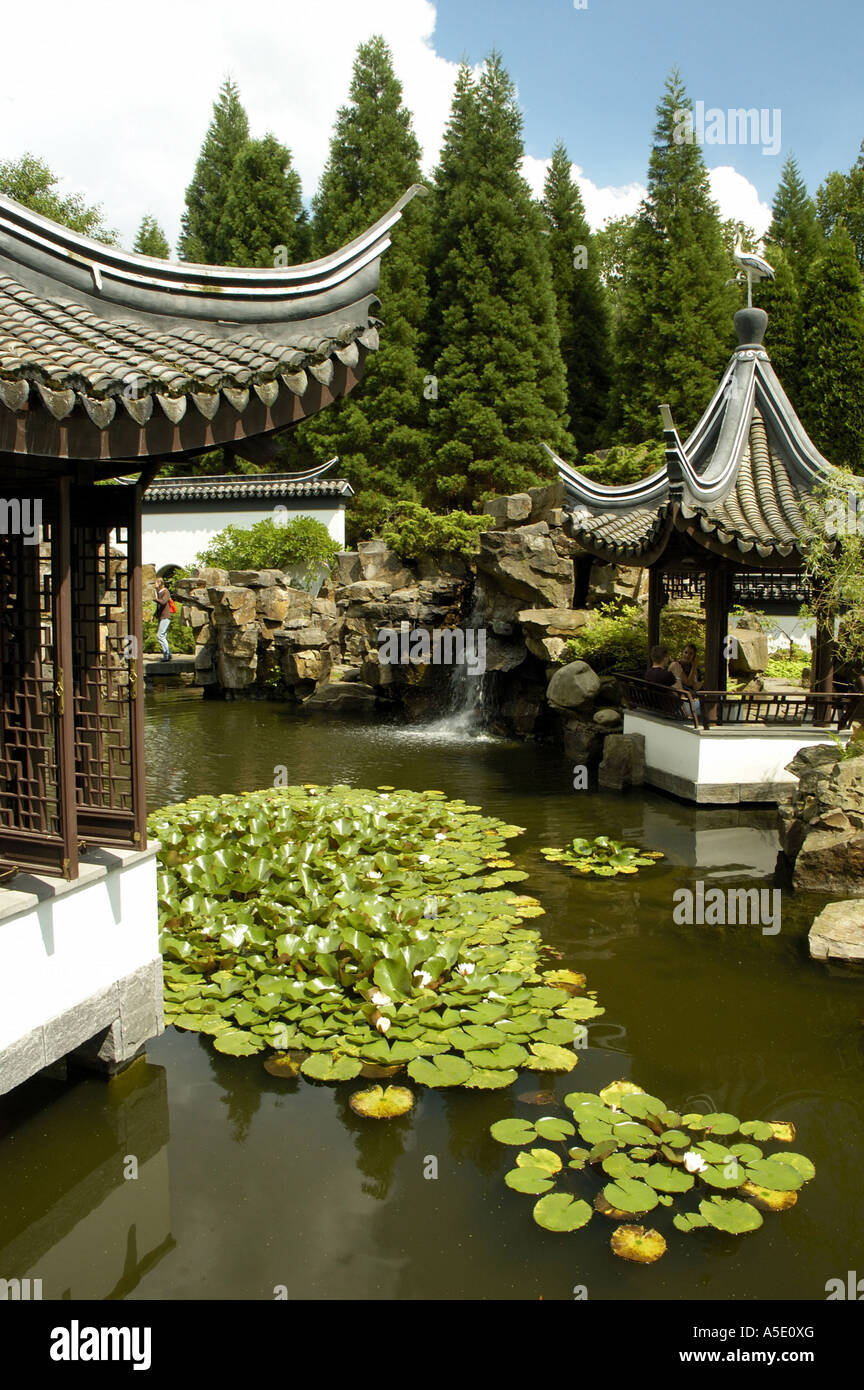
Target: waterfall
x=463 y=714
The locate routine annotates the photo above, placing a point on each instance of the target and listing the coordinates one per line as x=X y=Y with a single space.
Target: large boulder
x=341 y=695
x=750 y=652
x=583 y=742
x=378 y=562
x=508 y=511
x=233 y=606
x=523 y=564
x=838 y=933
x=823 y=835
x=573 y=687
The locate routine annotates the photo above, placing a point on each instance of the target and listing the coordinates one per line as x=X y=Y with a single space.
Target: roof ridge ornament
x=754 y=266
x=674 y=454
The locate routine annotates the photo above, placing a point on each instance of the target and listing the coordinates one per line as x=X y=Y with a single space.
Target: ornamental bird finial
x=755 y=266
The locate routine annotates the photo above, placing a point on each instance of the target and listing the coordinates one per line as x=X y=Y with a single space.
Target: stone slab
x=838 y=932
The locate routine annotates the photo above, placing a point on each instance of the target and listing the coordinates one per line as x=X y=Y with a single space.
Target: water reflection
x=75 y=1217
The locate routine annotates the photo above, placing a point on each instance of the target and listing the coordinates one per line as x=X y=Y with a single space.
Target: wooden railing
x=724 y=708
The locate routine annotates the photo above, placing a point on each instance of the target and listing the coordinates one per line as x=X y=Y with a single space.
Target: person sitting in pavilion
x=686 y=671
x=658 y=672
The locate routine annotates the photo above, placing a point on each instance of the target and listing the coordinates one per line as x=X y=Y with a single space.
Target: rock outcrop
x=838 y=933
x=823 y=834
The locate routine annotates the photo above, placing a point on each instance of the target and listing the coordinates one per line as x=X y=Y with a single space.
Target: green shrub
x=181 y=639
x=271 y=545
x=412 y=530
x=788 y=666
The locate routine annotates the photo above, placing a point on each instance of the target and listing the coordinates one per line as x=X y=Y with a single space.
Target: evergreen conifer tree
x=200 y=239
x=262 y=204
x=780 y=299
x=378 y=431
x=501 y=385
x=675 y=331
x=832 y=379
x=151 y=240
x=842 y=195
x=580 y=301
x=794 y=224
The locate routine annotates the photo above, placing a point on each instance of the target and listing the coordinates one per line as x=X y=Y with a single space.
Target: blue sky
x=593 y=77
x=119 y=112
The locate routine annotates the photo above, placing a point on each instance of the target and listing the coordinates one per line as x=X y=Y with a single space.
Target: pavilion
x=725 y=520
x=111 y=365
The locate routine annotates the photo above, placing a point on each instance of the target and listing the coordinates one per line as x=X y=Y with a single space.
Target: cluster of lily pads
x=355 y=932
x=651 y=1156
x=604 y=857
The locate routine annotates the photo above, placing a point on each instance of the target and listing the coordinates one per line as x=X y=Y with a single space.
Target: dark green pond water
x=246 y=1182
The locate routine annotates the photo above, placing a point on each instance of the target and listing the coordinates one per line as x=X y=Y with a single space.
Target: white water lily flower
x=373 y=873
x=440 y=835
x=423 y=858
x=693 y=1162
x=424 y=977
x=382 y=1024
x=466 y=968
x=380 y=999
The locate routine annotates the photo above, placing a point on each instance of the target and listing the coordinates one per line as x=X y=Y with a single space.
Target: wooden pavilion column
x=716 y=628
x=655 y=604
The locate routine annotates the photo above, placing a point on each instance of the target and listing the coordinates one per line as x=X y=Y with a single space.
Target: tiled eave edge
x=42 y=423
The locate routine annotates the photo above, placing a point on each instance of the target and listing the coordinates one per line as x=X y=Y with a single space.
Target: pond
x=195 y=1175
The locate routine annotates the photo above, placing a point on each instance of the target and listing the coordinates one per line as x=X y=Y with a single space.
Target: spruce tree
x=580 y=301
x=832 y=384
x=842 y=195
x=262 y=205
x=501 y=385
x=675 y=331
x=794 y=224
x=780 y=299
x=378 y=431
x=200 y=239
x=151 y=240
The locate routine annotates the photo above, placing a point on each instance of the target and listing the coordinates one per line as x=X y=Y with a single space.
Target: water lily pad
x=644 y=1247
x=550 y=1127
x=663 y=1178
x=523 y=1179
x=578 y=1158
x=560 y=1212
x=799 y=1162
x=675 y=1139
x=776 y=1174
x=719 y=1122
x=323 y=1066
x=783 y=1131
x=481 y=1080
x=373 y=1071
x=612 y=1093
x=688 y=1221
x=768 y=1200
x=730 y=1214
x=602 y=1150
x=445 y=1069
x=628 y=1195
x=515 y=1131
x=639 y=1105
x=502 y=1058
x=549 y=1057
x=376 y=1103
x=237 y=1043
x=544 y=1159
x=757 y=1129
x=565 y=979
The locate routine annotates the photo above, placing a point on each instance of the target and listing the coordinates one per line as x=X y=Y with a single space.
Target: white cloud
x=118 y=99
x=736 y=197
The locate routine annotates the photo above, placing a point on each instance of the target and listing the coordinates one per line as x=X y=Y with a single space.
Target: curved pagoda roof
x=108 y=356
x=734 y=488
